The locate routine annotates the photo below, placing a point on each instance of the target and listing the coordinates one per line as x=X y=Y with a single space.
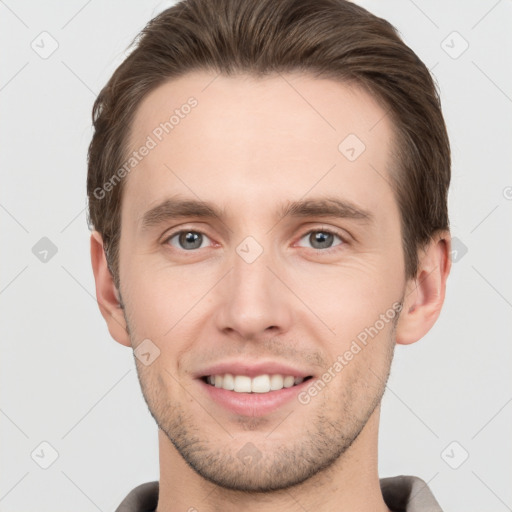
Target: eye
x=322 y=238
x=187 y=239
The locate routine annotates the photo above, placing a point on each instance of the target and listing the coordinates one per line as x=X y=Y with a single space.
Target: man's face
x=254 y=286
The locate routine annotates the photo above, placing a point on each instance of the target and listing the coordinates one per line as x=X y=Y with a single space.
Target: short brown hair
x=333 y=39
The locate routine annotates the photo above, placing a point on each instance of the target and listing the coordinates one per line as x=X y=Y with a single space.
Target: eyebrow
x=171 y=209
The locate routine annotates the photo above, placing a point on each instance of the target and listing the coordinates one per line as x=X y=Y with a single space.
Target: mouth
x=260 y=384
x=256 y=396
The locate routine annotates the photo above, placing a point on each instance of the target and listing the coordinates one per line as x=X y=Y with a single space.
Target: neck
x=350 y=484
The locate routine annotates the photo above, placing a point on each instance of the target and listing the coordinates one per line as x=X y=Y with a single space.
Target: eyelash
x=316 y=230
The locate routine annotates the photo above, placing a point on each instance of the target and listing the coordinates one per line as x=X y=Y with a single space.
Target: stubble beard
x=274 y=466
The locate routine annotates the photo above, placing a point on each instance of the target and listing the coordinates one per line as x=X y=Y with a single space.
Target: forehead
x=254 y=140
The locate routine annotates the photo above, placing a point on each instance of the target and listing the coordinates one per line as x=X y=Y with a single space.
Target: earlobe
x=424 y=296
x=107 y=295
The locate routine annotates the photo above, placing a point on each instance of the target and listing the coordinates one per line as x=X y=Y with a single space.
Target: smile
x=260 y=384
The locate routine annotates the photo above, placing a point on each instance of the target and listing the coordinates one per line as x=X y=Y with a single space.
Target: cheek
x=349 y=297
x=164 y=301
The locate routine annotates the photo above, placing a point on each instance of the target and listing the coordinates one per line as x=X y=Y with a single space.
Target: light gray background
x=66 y=382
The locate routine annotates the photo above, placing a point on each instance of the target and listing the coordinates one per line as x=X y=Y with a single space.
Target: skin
x=250 y=146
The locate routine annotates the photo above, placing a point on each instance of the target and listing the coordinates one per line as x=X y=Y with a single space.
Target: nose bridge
x=254 y=299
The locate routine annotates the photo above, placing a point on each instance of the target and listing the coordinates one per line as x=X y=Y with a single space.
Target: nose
x=253 y=300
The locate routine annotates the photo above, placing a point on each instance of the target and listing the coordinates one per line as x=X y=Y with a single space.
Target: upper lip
x=253 y=369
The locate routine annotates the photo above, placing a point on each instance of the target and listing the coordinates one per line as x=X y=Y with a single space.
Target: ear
x=107 y=294
x=425 y=293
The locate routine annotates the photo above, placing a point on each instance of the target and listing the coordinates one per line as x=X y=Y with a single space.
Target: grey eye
x=321 y=238
x=188 y=240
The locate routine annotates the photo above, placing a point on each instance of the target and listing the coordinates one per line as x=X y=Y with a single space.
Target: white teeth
x=260 y=384
x=242 y=384
x=276 y=382
x=228 y=382
x=288 y=381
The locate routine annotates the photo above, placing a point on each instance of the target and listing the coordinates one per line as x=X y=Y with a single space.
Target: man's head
x=269 y=182
x=327 y=38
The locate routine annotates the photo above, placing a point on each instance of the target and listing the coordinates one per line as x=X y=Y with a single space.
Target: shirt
x=401 y=494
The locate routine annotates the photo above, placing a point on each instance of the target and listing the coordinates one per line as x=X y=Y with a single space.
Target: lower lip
x=253 y=404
